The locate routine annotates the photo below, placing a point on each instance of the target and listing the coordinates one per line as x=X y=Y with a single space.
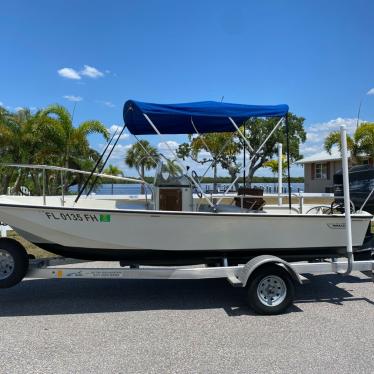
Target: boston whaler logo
x=79 y=217
x=338 y=226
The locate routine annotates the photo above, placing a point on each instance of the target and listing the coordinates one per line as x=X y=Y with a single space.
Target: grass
x=30 y=248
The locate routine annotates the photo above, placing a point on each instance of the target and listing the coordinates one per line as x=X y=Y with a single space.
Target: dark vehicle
x=361 y=182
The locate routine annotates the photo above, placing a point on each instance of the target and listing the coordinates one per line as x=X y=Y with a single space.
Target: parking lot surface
x=164 y=326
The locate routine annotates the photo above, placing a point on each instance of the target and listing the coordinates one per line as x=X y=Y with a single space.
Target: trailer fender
x=256 y=262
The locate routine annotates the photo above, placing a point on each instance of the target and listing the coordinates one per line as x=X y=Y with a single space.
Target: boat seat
x=254 y=200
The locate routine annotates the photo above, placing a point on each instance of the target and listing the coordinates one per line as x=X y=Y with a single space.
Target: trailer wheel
x=270 y=290
x=14 y=262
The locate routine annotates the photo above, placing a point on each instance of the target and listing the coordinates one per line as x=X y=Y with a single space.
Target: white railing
x=63 y=170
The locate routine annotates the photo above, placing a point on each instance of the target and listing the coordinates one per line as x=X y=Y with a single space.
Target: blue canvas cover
x=208 y=116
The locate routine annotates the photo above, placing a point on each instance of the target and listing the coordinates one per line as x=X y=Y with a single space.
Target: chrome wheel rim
x=6 y=264
x=271 y=290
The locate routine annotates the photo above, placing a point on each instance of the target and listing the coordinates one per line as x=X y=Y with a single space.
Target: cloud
x=334 y=125
x=1 y=103
x=18 y=108
x=119 y=151
x=69 y=73
x=317 y=133
x=87 y=71
x=313 y=137
x=109 y=104
x=164 y=146
x=370 y=92
x=117 y=128
x=307 y=150
x=118 y=155
x=73 y=98
x=92 y=72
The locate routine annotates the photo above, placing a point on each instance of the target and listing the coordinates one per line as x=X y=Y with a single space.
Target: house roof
x=322 y=156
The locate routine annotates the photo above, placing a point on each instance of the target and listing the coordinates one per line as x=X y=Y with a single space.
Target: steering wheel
x=324 y=209
x=196 y=178
x=338 y=205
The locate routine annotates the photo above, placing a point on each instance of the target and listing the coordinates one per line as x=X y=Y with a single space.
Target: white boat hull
x=125 y=234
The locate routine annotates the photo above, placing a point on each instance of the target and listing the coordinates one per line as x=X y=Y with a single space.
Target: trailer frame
x=238 y=276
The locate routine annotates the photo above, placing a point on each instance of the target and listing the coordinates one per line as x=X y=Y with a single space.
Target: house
x=320 y=168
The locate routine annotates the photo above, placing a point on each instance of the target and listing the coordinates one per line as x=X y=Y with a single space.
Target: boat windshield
x=169 y=173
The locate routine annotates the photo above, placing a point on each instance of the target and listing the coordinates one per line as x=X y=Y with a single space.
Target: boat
x=179 y=223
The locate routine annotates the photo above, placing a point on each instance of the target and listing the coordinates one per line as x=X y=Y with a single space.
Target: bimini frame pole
x=202 y=138
x=250 y=160
x=288 y=162
x=347 y=200
x=180 y=164
x=241 y=135
x=280 y=171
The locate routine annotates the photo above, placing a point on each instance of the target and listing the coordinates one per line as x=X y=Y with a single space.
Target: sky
x=316 y=56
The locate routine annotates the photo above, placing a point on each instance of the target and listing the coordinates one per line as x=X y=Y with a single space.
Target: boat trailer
x=269 y=280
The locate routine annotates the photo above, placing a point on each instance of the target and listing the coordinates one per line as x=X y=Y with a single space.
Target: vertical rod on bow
x=93 y=170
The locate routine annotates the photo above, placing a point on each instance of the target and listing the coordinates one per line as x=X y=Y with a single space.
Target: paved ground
x=133 y=326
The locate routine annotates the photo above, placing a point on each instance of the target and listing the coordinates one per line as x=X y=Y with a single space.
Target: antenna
x=72 y=114
x=358 y=113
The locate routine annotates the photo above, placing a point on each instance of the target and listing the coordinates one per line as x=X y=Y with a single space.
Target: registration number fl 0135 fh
x=80 y=217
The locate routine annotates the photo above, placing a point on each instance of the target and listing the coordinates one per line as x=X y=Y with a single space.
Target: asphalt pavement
x=184 y=326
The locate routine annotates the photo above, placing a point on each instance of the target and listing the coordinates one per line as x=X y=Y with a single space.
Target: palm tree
x=273 y=166
x=142 y=156
x=21 y=142
x=172 y=168
x=360 y=144
x=113 y=170
x=67 y=142
x=71 y=140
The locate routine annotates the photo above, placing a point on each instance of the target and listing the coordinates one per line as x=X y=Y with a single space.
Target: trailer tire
x=270 y=290
x=14 y=262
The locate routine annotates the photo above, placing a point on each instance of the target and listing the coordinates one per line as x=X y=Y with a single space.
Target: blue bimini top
x=207 y=116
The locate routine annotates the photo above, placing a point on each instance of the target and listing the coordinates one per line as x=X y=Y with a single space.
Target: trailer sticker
x=336 y=225
x=86 y=217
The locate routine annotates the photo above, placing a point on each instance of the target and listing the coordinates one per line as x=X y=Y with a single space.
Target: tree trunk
x=233 y=174
x=142 y=185
x=46 y=183
x=250 y=177
x=215 y=177
x=35 y=178
x=5 y=183
x=17 y=184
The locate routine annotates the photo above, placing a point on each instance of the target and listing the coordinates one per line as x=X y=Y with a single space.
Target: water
x=134 y=189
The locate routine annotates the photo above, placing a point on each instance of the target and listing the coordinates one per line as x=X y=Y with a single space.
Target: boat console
x=172 y=190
